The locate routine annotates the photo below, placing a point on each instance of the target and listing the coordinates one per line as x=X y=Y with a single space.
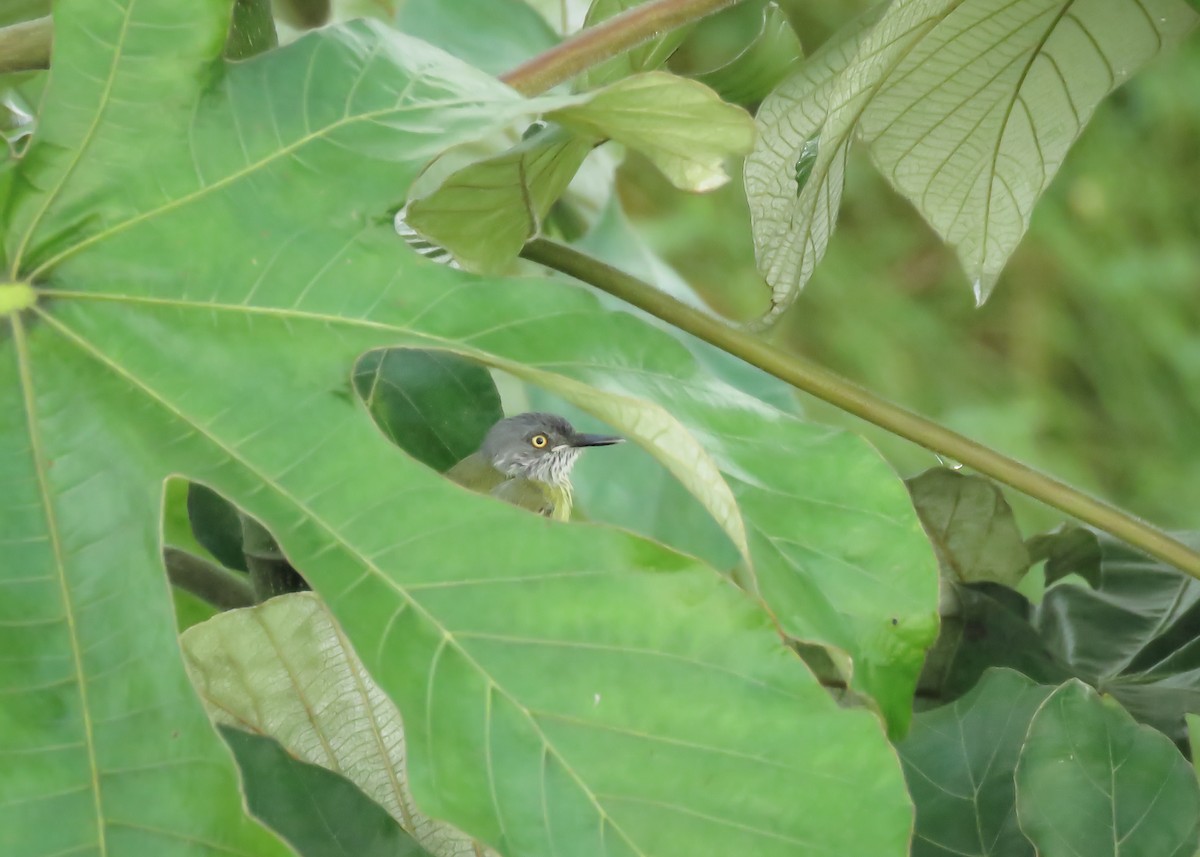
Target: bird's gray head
x=536 y=446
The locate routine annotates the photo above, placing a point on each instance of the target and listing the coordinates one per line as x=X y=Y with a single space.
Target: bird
x=526 y=460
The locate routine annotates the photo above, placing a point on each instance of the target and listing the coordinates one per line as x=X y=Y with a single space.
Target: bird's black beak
x=582 y=440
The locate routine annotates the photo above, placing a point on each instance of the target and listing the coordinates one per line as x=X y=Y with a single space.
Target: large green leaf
x=959 y=761
x=106 y=748
x=212 y=250
x=1092 y=781
x=974 y=120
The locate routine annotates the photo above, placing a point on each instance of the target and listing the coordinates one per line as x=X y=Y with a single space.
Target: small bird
x=526 y=460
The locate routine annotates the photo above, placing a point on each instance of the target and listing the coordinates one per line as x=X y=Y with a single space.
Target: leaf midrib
x=39 y=462
x=233 y=177
x=77 y=156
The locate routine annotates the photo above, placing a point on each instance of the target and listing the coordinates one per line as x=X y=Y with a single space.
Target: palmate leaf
x=200 y=310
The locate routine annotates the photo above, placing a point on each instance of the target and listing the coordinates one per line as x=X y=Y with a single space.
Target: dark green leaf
x=988 y=627
x=434 y=405
x=252 y=29
x=216 y=524
x=1091 y=781
x=1136 y=635
x=1068 y=550
x=320 y=813
x=959 y=762
x=971 y=527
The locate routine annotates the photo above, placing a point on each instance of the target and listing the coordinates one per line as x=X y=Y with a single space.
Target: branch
x=606 y=40
x=26 y=46
x=841 y=393
x=209 y=582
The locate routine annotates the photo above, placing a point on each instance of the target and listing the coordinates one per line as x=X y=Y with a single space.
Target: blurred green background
x=1086 y=360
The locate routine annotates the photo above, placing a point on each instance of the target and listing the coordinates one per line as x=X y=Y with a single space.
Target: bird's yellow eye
x=539 y=441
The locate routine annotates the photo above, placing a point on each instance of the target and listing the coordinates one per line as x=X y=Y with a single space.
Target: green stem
x=606 y=40
x=841 y=393
x=222 y=589
x=26 y=46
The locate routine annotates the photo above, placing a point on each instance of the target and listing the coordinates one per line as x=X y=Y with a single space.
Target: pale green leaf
x=795 y=174
x=1092 y=781
x=285 y=670
x=485 y=212
x=976 y=117
x=682 y=126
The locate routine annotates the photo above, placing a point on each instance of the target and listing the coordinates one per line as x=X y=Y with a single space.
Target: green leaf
x=285 y=670
x=317 y=811
x=216 y=524
x=208 y=272
x=987 y=625
x=645 y=57
x=436 y=406
x=1193 y=728
x=1092 y=781
x=794 y=175
x=252 y=29
x=682 y=126
x=1068 y=550
x=959 y=762
x=971 y=526
x=769 y=57
x=976 y=116
x=485 y=212
x=492 y=35
x=1134 y=636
